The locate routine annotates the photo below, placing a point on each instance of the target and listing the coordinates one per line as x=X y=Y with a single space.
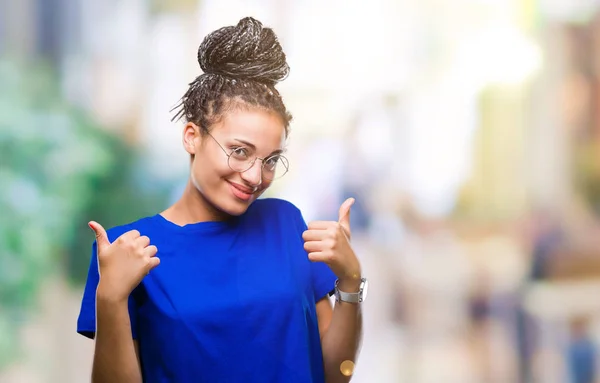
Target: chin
x=235 y=209
x=233 y=206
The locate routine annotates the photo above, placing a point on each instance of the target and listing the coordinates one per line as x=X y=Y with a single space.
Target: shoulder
x=142 y=225
x=275 y=206
x=274 y=211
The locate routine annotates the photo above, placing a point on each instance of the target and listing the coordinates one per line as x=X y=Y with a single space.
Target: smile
x=241 y=192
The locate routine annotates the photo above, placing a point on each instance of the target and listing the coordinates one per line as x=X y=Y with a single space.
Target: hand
x=329 y=242
x=124 y=263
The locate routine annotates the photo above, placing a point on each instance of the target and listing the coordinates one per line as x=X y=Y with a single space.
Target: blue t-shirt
x=230 y=301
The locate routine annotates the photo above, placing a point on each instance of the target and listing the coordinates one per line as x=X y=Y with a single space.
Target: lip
x=241 y=192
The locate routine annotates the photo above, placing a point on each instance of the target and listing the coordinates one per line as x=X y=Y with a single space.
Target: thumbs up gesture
x=329 y=242
x=124 y=263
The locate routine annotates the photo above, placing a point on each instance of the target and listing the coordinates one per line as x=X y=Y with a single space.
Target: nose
x=253 y=176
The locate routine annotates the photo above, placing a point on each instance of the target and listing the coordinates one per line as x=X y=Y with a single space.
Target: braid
x=241 y=65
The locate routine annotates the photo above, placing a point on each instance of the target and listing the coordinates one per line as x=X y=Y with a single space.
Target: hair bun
x=245 y=51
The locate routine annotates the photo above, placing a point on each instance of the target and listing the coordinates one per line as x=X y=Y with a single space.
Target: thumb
x=344 y=214
x=101 y=236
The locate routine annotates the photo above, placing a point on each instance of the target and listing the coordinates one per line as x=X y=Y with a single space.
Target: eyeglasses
x=239 y=160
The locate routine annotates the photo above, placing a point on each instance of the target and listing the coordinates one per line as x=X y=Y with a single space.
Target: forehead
x=261 y=128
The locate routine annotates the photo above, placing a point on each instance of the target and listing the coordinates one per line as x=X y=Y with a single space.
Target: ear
x=191 y=134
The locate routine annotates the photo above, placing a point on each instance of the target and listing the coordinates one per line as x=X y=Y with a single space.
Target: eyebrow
x=253 y=147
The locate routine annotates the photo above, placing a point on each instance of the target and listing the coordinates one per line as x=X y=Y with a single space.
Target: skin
x=208 y=195
x=213 y=194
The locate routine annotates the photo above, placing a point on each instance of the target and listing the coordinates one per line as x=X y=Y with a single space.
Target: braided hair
x=241 y=65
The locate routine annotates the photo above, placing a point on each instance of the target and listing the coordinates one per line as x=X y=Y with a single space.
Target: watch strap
x=349 y=297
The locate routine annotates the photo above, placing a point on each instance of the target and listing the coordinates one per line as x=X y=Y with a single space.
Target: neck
x=192 y=207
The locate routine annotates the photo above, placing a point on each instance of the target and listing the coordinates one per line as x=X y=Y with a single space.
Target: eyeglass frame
x=262 y=160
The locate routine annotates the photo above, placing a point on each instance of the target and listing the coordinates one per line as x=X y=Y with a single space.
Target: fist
x=329 y=242
x=124 y=263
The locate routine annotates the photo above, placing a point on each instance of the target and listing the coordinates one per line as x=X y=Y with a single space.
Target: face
x=255 y=132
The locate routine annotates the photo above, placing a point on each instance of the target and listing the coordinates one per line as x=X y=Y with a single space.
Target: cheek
x=263 y=187
x=210 y=163
x=208 y=173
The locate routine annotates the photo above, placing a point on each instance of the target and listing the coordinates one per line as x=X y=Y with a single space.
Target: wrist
x=349 y=285
x=105 y=295
x=351 y=290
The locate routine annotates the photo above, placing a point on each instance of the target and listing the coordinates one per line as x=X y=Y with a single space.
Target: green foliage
x=58 y=170
x=124 y=194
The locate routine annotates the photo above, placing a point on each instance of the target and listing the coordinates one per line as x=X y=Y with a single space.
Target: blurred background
x=468 y=131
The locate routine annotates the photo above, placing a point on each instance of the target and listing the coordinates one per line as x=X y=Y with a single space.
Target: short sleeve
x=86 y=323
x=322 y=278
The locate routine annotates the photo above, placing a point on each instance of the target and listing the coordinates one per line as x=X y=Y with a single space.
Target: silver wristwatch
x=358 y=297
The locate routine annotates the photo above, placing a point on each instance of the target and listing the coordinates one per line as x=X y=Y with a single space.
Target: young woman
x=240 y=293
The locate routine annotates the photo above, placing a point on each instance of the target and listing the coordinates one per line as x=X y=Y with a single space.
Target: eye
x=239 y=153
x=271 y=162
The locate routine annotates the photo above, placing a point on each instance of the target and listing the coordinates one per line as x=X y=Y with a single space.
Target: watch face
x=365 y=288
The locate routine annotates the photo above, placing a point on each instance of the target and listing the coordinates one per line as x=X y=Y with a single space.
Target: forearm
x=115 y=359
x=342 y=339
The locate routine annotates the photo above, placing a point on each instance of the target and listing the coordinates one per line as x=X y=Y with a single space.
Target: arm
x=121 y=267
x=341 y=332
x=116 y=353
x=340 y=328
